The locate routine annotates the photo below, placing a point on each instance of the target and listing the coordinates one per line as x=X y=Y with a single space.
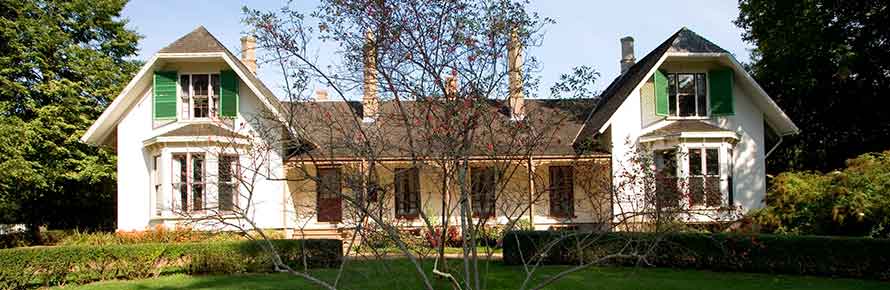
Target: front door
x=328 y=199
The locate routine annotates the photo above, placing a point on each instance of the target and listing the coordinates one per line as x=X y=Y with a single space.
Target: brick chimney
x=514 y=73
x=627 y=53
x=370 y=103
x=248 y=53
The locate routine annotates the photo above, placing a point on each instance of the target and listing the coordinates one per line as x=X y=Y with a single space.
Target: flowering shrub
x=452 y=237
x=852 y=202
x=157 y=234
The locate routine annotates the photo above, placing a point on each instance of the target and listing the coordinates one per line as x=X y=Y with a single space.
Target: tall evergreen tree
x=827 y=64
x=61 y=63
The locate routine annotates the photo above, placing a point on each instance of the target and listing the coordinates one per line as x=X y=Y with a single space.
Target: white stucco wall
x=636 y=117
x=136 y=198
x=133 y=165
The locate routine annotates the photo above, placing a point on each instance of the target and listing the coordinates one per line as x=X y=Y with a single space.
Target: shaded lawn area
x=399 y=274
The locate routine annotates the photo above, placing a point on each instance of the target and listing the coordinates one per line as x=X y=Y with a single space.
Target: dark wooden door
x=328 y=201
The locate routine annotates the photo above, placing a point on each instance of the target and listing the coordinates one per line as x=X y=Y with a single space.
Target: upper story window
x=688 y=94
x=198 y=95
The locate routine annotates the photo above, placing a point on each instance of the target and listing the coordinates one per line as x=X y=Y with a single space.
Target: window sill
x=203 y=214
x=407 y=217
x=564 y=217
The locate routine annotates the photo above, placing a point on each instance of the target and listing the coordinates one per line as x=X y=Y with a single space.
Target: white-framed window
x=228 y=172
x=156 y=184
x=198 y=95
x=688 y=94
x=697 y=175
x=704 y=177
x=667 y=190
x=189 y=182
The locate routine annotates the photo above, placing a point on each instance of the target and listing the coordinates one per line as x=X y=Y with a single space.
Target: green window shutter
x=228 y=96
x=720 y=92
x=661 y=93
x=164 y=95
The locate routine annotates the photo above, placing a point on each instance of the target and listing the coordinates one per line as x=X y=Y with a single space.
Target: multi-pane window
x=328 y=195
x=407 y=186
x=562 y=199
x=704 y=177
x=198 y=94
x=687 y=94
x=188 y=180
x=228 y=181
x=373 y=189
x=667 y=192
x=156 y=184
x=482 y=186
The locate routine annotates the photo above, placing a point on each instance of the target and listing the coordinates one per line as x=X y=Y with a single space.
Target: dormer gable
x=195 y=67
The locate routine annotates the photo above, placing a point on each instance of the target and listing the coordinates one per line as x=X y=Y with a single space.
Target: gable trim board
x=101 y=129
x=635 y=77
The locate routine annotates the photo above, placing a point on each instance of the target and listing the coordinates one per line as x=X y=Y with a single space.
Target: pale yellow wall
x=592 y=198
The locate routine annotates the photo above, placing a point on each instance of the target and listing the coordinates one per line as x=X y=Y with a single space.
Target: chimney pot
x=321 y=95
x=627 y=53
x=248 y=53
x=451 y=85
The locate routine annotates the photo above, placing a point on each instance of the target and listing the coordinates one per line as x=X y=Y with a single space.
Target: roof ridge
x=198 y=40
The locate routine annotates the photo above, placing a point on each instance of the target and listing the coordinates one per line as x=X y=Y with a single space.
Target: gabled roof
x=683 y=42
x=620 y=88
x=198 y=44
x=197 y=41
x=688 y=41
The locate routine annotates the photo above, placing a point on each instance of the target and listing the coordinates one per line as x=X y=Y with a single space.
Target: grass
x=399 y=274
x=481 y=251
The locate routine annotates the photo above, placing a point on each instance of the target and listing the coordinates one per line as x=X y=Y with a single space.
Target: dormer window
x=687 y=94
x=198 y=94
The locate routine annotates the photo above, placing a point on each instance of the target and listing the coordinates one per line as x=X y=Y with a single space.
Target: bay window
x=667 y=193
x=227 y=187
x=156 y=184
x=693 y=175
x=704 y=177
x=188 y=181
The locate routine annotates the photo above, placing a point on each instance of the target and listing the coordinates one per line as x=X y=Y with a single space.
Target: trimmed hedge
x=786 y=254
x=23 y=268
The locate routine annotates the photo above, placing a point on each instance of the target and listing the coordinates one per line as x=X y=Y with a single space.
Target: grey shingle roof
x=199 y=40
x=684 y=126
x=616 y=93
x=332 y=126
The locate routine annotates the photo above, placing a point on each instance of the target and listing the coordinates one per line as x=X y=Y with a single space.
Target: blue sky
x=586 y=32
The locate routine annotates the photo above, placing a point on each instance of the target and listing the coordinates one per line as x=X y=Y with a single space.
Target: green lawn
x=396 y=274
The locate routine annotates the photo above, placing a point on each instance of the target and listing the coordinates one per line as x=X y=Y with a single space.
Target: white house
x=184 y=124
